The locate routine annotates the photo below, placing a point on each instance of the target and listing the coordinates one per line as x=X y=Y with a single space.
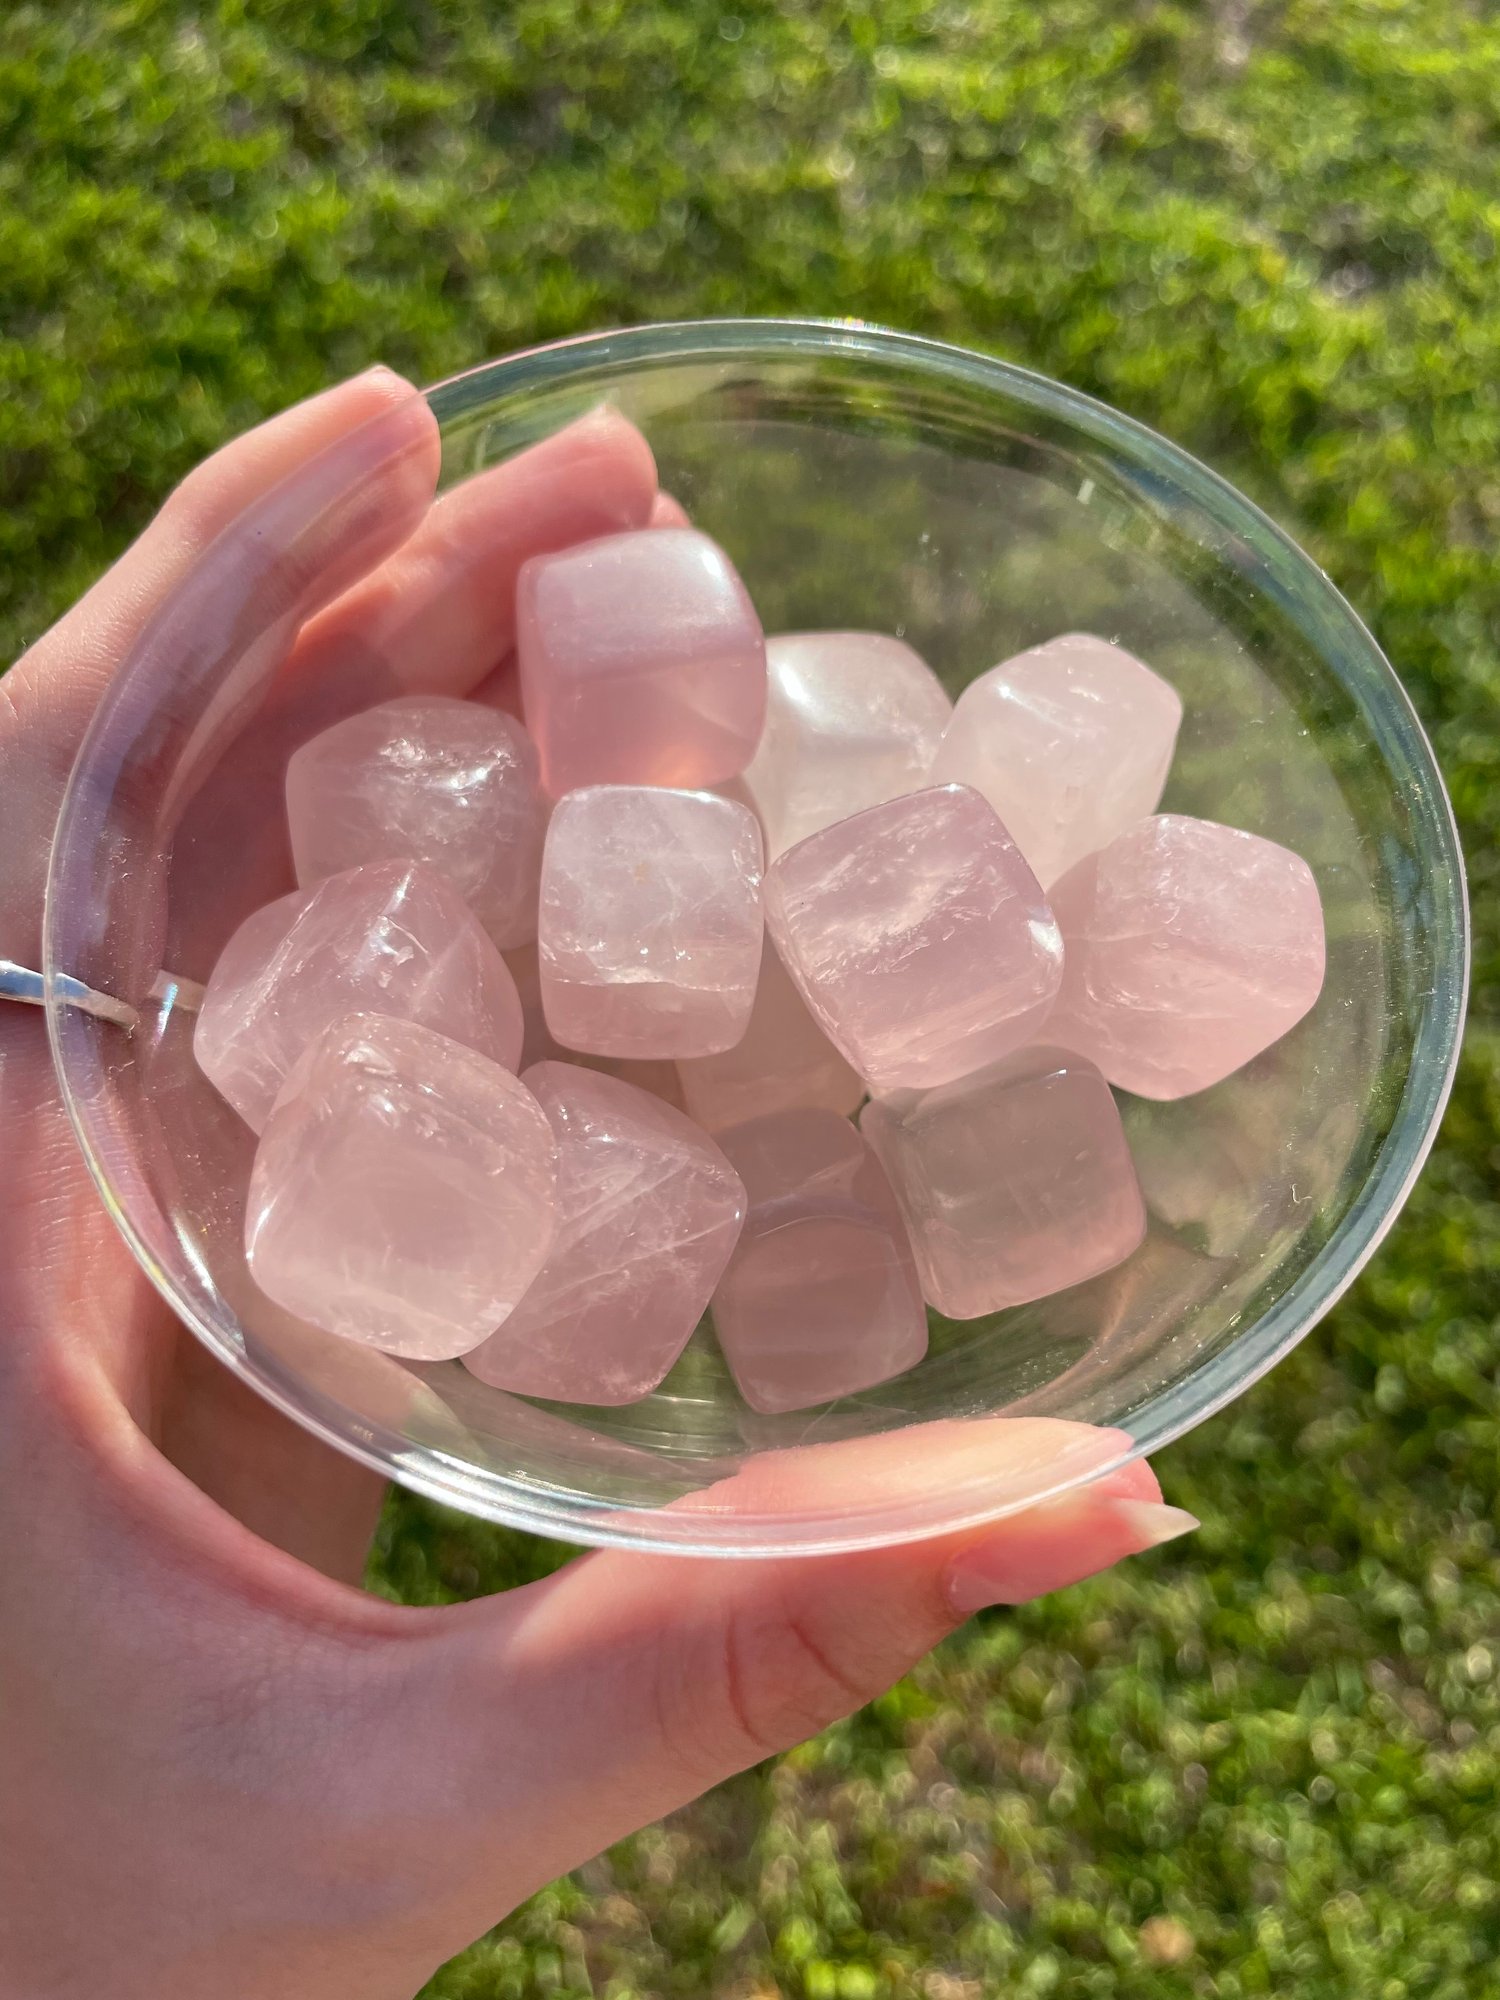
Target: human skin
x=223 y=1767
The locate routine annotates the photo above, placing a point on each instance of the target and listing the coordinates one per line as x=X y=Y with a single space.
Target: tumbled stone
x=1190 y=948
x=251 y=943
x=852 y=719
x=642 y=662
x=820 y=1298
x=539 y=1044
x=424 y=778
x=403 y=1192
x=782 y=1062
x=1014 y=1183
x=648 y=1211
x=1070 y=743
x=918 y=937
x=393 y=937
x=650 y=929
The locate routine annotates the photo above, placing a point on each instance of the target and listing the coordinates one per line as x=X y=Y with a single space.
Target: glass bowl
x=859 y=478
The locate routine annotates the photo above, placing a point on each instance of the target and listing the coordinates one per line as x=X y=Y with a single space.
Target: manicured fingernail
x=1153 y=1522
x=1055 y=1545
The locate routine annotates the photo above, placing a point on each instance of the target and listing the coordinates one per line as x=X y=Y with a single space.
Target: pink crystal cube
x=244 y=956
x=648 y=1211
x=403 y=1190
x=852 y=719
x=642 y=662
x=1191 y=947
x=449 y=783
x=650 y=930
x=1014 y=1183
x=393 y=938
x=1070 y=743
x=821 y=1297
x=918 y=937
x=659 y=1077
x=782 y=1062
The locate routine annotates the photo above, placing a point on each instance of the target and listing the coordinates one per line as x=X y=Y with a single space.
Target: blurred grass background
x=1268 y=1760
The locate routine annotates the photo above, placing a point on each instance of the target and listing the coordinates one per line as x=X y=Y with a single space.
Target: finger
x=53 y=688
x=626 y=1685
x=260 y=534
x=442 y=613
x=668 y=513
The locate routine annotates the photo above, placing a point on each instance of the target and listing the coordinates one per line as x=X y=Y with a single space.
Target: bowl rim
x=1305 y=594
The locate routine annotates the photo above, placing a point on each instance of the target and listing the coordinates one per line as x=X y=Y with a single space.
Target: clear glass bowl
x=867 y=479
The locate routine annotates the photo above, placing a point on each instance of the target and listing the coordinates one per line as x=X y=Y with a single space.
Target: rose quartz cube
x=539 y=1044
x=1191 y=947
x=393 y=938
x=852 y=719
x=251 y=944
x=918 y=937
x=642 y=662
x=1014 y=1183
x=648 y=1211
x=403 y=1191
x=650 y=931
x=426 y=779
x=821 y=1297
x=782 y=1062
x=1070 y=743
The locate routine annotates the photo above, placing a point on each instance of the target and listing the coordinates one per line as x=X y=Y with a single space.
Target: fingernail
x=379 y=376
x=1057 y=1544
x=1154 y=1522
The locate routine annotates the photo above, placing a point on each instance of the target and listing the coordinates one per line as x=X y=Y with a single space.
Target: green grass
x=1263 y=1762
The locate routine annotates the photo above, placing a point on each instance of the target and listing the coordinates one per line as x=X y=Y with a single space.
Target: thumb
x=619 y=1689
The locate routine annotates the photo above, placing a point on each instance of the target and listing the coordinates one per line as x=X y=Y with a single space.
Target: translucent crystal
x=648 y=1213
x=917 y=936
x=1190 y=948
x=403 y=1191
x=449 y=783
x=539 y=1044
x=1014 y=1183
x=393 y=937
x=1070 y=743
x=782 y=1062
x=852 y=719
x=821 y=1297
x=642 y=662
x=650 y=930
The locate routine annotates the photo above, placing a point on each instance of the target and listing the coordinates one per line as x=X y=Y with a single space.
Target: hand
x=222 y=1767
